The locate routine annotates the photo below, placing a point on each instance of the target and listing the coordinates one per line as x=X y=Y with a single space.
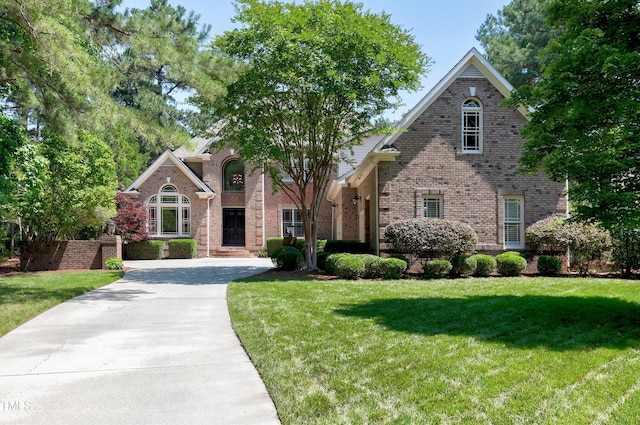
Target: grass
x=23 y=297
x=468 y=351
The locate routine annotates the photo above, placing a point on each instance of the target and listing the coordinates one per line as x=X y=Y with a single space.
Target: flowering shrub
x=587 y=243
x=431 y=237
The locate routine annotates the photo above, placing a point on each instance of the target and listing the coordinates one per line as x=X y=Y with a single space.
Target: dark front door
x=233 y=226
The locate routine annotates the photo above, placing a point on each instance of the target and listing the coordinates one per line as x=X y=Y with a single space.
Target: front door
x=233 y=227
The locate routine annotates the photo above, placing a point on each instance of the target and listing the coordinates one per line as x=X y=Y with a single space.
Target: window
x=432 y=207
x=291 y=218
x=513 y=223
x=471 y=126
x=169 y=213
x=233 y=176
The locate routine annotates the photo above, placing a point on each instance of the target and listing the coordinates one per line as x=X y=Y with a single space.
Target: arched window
x=169 y=213
x=233 y=176
x=472 y=126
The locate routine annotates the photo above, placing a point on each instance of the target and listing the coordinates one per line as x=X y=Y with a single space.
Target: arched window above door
x=233 y=176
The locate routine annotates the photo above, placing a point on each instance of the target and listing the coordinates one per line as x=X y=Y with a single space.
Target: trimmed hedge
x=485 y=265
x=368 y=266
x=182 y=248
x=272 y=245
x=287 y=258
x=463 y=266
x=437 y=269
x=510 y=263
x=146 y=250
x=549 y=265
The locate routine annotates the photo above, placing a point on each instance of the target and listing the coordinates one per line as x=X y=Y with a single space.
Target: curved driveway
x=155 y=347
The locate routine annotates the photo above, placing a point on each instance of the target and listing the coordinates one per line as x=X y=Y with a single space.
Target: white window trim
x=183 y=203
x=510 y=221
x=434 y=198
x=479 y=110
x=299 y=230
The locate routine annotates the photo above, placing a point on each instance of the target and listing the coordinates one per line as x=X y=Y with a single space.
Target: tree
x=319 y=74
x=587 y=102
x=131 y=219
x=512 y=39
x=59 y=189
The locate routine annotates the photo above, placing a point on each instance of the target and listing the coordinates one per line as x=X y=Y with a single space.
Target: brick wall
x=473 y=186
x=69 y=255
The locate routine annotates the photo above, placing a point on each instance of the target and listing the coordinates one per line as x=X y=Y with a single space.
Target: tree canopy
x=513 y=38
x=319 y=75
x=586 y=103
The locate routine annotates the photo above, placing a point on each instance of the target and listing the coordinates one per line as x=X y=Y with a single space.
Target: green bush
x=348 y=246
x=350 y=266
x=542 y=235
x=626 y=249
x=485 y=265
x=431 y=237
x=437 y=269
x=510 y=263
x=372 y=266
x=393 y=268
x=182 y=248
x=549 y=265
x=114 y=263
x=462 y=265
x=272 y=245
x=287 y=258
x=145 y=250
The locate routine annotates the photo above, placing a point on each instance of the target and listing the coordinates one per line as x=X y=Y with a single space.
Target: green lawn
x=468 y=351
x=25 y=296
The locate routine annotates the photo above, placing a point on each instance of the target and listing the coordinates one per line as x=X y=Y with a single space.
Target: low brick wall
x=69 y=255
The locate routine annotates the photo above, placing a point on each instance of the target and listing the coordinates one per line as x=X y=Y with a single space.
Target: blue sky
x=445 y=30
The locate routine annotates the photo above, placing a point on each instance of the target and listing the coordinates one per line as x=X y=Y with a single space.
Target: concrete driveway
x=155 y=347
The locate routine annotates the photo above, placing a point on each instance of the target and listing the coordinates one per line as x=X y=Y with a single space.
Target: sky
x=444 y=29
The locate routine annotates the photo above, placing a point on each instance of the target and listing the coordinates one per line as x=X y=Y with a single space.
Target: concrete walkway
x=155 y=347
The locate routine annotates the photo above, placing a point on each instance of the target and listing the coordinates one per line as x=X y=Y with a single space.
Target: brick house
x=213 y=198
x=456 y=158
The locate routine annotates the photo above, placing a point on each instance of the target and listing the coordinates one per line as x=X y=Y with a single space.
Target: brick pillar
x=111 y=247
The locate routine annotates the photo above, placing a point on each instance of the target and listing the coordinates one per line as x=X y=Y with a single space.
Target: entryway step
x=232 y=253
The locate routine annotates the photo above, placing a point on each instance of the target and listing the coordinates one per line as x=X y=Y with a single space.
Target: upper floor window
x=432 y=206
x=472 y=126
x=233 y=176
x=169 y=213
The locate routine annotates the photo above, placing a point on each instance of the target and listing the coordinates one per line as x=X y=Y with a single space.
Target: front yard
x=467 y=351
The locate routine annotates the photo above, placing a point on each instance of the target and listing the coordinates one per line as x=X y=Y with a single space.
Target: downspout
x=264 y=230
x=208 y=226
x=377 y=212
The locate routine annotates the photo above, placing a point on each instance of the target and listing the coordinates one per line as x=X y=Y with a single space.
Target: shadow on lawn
x=558 y=323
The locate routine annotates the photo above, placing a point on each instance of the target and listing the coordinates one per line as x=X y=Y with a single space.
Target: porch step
x=232 y=253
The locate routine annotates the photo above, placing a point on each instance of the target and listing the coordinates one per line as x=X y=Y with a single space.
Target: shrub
x=182 y=248
x=114 y=263
x=130 y=219
x=510 y=263
x=272 y=245
x=145 y=250
x=485 y=265
x=587 y=243
x=322 y=260
x=549 y=265
x=372 y=266
x=463 y=266
x=287 y=258
x=437 y=269
x=431 y=237
x=626 y=249
x=393 y=268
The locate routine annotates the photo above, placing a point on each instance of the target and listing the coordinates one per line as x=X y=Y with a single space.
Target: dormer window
x=472 y=126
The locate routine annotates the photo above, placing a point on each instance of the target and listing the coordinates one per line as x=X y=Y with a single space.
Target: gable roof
x=205 y=191
x=472 y=65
